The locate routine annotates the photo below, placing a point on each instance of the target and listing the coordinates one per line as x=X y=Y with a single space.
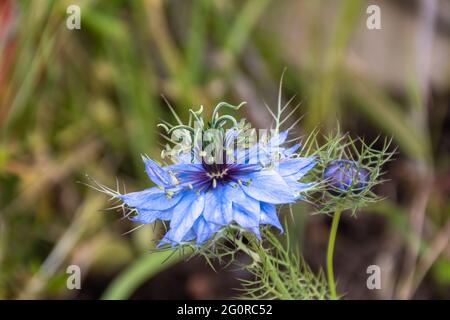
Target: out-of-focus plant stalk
x=139 y=271
x=330 y=251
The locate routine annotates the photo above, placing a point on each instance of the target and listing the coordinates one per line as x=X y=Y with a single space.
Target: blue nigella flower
x=345 y=175
x=199 y=198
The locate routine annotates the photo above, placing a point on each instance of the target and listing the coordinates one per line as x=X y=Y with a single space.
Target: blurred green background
x=79 y=103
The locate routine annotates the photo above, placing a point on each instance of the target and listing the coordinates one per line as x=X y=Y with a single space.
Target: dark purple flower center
x=208 y=176
x=345 y=175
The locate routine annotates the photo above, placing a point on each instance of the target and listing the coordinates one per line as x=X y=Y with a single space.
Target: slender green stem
x=330 y=250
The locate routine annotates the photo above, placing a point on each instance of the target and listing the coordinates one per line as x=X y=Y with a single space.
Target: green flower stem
x=330 y=250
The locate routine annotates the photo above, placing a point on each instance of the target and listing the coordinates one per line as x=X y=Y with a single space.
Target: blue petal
x=269 y=215
x=233 y=192
x=150 y=199
x=156 y=173
x=268 y=186
x=149 y=216
x=230 y=136
x=189 y=236
x=185 y=214
x=295 y=166
x=245 y=209
x=218 y=208
x=298 y=186
x=247 y=219
x=278 y=139
x=185 y=157
x=182 y=167
x=262 y=152
x=204 y=230
x=245 y=203
x=289 y=151
x=167 y=239
x=247 y=155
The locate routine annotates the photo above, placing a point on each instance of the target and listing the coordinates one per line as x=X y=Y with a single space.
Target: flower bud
x=345 y=175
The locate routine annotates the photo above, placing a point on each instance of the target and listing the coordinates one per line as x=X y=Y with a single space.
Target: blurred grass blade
x=140 y=271
x=383 y=111
x=323 y=105
x=240 y=31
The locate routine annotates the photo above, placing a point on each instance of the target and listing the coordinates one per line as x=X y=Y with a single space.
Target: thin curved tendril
x=170 y=130
x=220 y=105
x=222 y=120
